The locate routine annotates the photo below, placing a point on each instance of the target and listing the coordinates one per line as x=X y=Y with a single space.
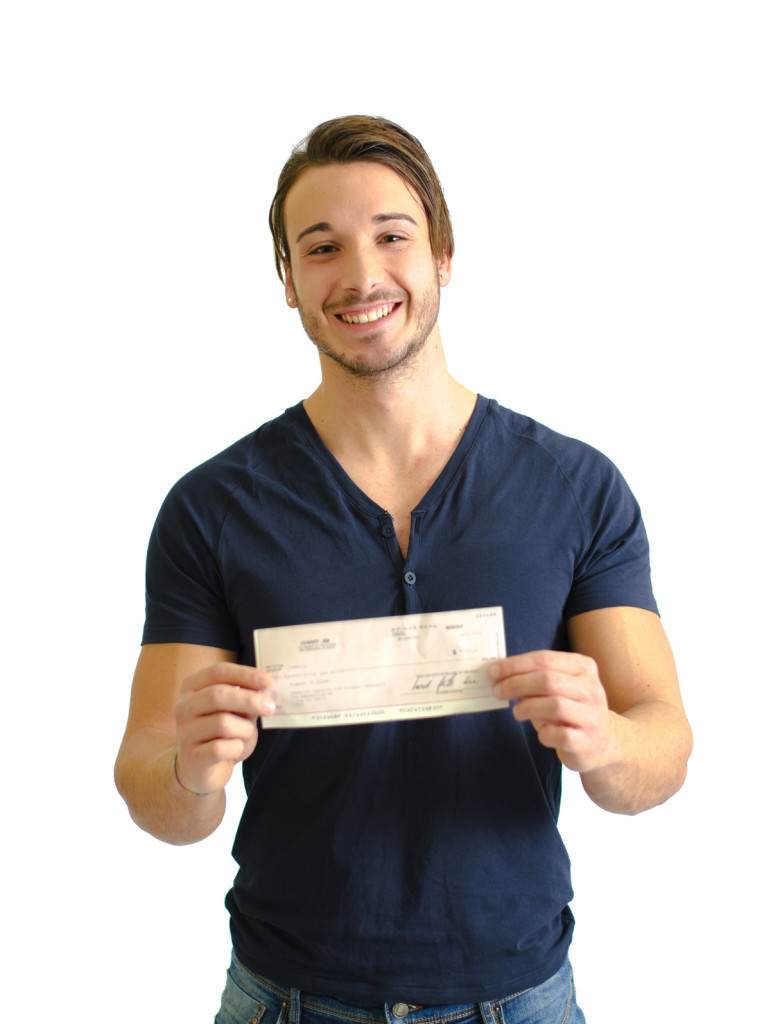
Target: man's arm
x=612 y=709
x=193 y=716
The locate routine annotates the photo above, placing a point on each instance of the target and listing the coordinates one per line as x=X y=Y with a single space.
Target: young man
x=399 y=870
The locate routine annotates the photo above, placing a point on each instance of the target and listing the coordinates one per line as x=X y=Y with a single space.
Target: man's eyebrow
x=379 y=218
x=321 y=226
x=382 y=217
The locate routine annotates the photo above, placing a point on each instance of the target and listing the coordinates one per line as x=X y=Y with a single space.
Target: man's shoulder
x=249 y=451
x=217 y=477
x=570 y=455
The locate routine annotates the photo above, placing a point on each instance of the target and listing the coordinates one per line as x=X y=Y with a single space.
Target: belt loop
x=294 y=1006
x=489 y=1014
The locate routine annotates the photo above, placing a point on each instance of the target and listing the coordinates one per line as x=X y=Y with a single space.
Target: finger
x=223 y=752
x=223 y=697
x=208 y=767
x=565 y=662
x=551 y=711
x=206 y=728
x=564 y=740
x=541 y=684
x=572 y=746
x=208 y=748
x=228 y=673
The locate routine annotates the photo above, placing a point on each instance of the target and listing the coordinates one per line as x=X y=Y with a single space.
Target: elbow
x=121 y=778
x=675 y=777
x=689 y=743
x=683 y=750
x=654 y=796
x=645 y=782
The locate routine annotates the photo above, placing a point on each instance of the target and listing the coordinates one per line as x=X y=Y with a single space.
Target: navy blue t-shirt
x=418 y=860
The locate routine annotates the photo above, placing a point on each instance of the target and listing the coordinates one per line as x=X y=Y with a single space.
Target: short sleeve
x=613 y=565
x=185 y=593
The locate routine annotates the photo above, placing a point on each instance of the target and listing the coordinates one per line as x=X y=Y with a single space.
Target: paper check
x=383 y=669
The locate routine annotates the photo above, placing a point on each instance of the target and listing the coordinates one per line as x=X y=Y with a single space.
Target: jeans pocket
x=244 y=1001
x=552 y=1002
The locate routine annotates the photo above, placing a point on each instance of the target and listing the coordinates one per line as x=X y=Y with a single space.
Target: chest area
x=397 y=491
x=337 y=552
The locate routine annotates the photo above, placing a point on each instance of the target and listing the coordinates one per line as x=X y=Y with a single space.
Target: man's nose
x=362 y=271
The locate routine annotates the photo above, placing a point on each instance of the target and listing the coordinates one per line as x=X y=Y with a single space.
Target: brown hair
x=357 y=138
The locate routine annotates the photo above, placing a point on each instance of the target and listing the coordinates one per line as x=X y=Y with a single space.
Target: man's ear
x=443 y=264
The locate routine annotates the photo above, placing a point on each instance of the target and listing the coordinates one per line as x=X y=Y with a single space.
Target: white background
x=603 y=165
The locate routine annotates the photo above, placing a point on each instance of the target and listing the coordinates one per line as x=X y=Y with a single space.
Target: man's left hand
x=561 y=694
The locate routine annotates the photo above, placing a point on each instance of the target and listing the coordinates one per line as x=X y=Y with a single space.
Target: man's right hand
x=216 y=722
x=198 y=705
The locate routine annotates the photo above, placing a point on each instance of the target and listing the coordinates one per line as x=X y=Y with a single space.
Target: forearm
x=649 y=748
x=145 y=777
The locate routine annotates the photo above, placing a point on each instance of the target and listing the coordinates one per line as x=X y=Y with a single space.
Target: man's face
x=362 y=271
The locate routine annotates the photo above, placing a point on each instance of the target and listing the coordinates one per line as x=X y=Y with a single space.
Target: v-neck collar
x=359 y=496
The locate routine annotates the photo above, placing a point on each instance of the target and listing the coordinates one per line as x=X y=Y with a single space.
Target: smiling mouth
x=368 y=316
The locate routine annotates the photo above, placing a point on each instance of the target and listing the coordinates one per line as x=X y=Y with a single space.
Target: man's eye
x=321 y=250
x=392 y=238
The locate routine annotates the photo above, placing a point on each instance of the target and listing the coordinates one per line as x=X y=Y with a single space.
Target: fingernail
x=269 y=706
x=494 y=671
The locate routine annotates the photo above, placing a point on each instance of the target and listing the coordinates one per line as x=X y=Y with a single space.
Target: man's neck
x=390 y=419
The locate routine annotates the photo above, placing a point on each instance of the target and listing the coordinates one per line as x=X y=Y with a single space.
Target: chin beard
x=388 y=364
x=392 y=364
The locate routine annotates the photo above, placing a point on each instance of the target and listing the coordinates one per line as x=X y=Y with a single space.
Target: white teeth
x=365 y=318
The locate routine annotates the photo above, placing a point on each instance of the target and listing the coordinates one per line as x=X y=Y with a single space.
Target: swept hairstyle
x=358 y=138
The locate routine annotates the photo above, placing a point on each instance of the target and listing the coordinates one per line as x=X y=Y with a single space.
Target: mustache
x=379 y=298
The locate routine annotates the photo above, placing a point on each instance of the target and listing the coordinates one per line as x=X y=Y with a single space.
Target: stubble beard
x=389 y=365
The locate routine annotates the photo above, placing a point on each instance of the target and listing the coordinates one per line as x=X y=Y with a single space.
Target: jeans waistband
x=378 y=1013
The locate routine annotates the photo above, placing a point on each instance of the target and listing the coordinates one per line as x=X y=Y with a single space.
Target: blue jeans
x=250 y=999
